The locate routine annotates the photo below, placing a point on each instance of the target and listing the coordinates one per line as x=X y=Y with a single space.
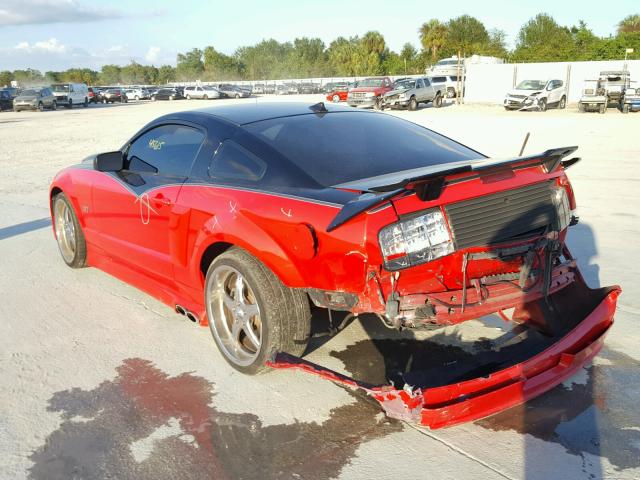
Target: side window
x=419 y=83
x=168 y=150
x=427 y=83
x=558 y=84
x=70 y=88
x=233 y=162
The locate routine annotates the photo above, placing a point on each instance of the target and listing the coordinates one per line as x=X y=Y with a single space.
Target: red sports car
x=338 y=93
x=243 y=216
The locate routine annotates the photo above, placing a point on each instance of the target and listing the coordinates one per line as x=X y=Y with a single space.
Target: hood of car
x=397 y=91
x=515 y=91
x=366 y=89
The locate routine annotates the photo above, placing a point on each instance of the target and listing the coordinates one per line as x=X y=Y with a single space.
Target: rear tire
x=69 y=236
x=437 y=102
x=276 y=315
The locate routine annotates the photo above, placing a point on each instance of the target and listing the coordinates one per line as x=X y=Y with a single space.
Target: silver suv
x=35 y=99
x=204 y=92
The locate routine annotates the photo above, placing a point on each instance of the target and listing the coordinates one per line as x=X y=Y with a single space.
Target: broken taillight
x=415 y=240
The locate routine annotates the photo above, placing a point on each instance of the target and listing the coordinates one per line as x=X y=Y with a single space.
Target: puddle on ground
x=599 y=416
x=145 y=424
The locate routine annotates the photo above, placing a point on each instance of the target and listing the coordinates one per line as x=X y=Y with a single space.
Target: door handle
x=160 y=200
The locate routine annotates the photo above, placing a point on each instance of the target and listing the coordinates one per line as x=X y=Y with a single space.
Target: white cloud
x=51 y=54
x=52 y=46
x=29 y=12
x=152 y=54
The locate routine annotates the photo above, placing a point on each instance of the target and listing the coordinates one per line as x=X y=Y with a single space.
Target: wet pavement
x=144 y=424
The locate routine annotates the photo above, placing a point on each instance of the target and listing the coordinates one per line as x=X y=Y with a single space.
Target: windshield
x=448 y=62
x=29 y=93
x=370 y=82
x=531 y=85
x=60 y=88
x=405 y=84
x=342 y=147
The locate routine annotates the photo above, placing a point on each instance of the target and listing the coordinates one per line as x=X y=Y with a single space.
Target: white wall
x=489 y=83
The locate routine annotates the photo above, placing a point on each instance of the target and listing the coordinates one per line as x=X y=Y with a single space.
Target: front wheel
x=437 y=102
x=69 y=236
x=252 y=315
x=40 y=107
x=188 y=97
x=413 y=103
x=206 y=97
x=581 y=107
x=70 y=104
x=625 y=108
x=153 y=98
x=335 y=99
x=542 y=105
x=377 y=104
x=237 y=95
x=54 y=105
x=86 y=103
x=563 y=103
x=172 y=98
x=602 y=109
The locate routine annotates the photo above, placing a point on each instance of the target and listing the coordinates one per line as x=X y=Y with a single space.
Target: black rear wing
x=428 y=183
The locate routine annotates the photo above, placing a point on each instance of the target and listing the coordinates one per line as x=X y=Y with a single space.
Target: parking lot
x=99 y=380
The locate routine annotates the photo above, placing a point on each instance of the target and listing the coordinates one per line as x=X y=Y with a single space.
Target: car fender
x=64 y=182
x=244 y=233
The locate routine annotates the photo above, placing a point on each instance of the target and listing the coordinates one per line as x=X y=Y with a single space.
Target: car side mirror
x=109 y=162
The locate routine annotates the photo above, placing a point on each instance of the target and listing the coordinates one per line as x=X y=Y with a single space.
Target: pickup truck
x=410 y=92
x=369 y=92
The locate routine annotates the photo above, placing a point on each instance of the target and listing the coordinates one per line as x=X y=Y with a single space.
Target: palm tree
x=433 y=35
x=630 y=24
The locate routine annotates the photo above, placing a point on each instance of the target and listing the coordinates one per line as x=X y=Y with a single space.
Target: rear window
x=342 y=147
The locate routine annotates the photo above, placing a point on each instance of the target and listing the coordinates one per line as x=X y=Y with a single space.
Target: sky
x=60 y=34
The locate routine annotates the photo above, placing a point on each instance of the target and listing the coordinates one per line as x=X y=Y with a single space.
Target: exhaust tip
x=191 y=317
x=180 y=309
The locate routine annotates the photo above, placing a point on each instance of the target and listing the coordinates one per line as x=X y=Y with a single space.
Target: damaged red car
x=244 y=217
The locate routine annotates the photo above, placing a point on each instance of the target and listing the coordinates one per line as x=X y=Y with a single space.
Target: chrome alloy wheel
x=234 y=315
x=65 y=230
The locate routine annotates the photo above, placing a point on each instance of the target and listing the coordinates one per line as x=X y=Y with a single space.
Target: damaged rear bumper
x=583 y=316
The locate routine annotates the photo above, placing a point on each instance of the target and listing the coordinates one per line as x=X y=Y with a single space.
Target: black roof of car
x=254 y=112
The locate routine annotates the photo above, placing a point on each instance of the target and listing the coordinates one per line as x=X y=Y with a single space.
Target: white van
x=70 y=94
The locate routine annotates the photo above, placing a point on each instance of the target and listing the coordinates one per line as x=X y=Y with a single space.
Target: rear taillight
x=561 y=202
x=415 y=240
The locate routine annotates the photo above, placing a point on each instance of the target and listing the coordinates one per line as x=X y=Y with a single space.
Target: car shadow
x=25 y=227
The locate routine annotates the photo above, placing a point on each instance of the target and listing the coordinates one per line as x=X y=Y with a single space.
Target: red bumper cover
x=476 y=398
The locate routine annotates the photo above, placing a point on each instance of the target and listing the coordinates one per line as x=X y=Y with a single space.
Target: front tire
x=563 y=103
x=86 y=103
x=252 y=315
x=40 y=107
x=625 y=108
x=69 y=236
x=437 y=102
x=413 y=104
x=54 y=105
x=542 y=105
x=602 y=109
x=335 y=99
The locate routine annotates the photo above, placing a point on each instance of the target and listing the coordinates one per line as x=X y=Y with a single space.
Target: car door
x=420 y=90
x=133 y=209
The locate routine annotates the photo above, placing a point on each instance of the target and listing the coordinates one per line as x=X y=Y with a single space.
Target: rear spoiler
x=428 y=186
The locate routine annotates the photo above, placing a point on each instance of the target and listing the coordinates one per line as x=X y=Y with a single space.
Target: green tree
x=467 y=34
x=541 y=39
x=189 y=65
x=630 y=24
x=5 y=78
x=166 y=74
x=218 y=66
x=433 y=37
x=496 y=46
x=109 y=75
x=342 y=55
x=371 y=53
